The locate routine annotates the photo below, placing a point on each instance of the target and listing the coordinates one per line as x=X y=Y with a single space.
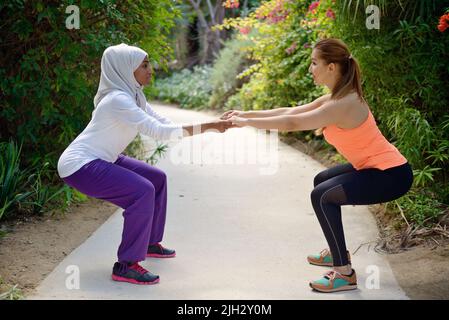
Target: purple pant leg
x=159 y=179
x=126 y=189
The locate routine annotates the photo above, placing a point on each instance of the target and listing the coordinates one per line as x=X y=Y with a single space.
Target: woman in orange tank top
x=376 y=171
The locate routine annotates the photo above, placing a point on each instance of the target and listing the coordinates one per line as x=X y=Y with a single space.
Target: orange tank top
x=364 y=146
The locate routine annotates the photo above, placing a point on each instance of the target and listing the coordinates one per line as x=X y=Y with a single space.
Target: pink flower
x=314 y=5
x=330 y=14
x=292 y=48
x=245 y=30
x=279 y=13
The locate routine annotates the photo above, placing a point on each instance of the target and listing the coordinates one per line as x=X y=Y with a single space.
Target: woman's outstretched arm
x=218 y=125
x=278 y=111
x=328 y=113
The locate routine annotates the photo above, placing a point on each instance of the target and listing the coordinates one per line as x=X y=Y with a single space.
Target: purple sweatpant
x=135 y=186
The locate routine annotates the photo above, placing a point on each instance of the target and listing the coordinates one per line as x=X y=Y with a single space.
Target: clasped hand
x=236 y=118
x=229 y=119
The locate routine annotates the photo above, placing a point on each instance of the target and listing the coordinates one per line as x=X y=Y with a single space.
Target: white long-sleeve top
x=115 y=122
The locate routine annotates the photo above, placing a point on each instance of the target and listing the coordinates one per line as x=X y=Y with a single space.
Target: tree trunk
x=210 y=41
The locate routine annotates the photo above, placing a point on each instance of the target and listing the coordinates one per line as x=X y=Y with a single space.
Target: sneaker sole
x=155 y=255
x=321 y=264
x=121 y=279
x=342 y=288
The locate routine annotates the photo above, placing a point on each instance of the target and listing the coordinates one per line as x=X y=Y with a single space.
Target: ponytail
x=336 y=51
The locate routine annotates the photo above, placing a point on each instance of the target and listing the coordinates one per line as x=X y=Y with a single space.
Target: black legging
x=344 y=185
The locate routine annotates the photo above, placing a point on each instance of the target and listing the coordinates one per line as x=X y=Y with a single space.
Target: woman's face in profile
x=144 y=72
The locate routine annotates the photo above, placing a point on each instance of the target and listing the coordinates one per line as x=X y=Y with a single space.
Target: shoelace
x=138 y=268
x=324 y=252
x=331 y=274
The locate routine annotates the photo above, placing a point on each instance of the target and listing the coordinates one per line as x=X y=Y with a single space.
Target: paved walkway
x=240 y=218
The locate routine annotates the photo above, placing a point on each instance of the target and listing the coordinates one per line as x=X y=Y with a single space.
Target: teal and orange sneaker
x=324 y=258
x=334 y=281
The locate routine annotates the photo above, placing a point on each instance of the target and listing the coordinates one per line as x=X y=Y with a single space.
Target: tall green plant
x=42 y=193
x=403 y=9
x=13 y=180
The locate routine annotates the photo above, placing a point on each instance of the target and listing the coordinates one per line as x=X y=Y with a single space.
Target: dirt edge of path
x=25 y=262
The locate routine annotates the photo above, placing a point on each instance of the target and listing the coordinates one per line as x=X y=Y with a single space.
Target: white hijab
x=118 y=64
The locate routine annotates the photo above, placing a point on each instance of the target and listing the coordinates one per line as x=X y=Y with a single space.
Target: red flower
x=444 y=22
x=314 y=5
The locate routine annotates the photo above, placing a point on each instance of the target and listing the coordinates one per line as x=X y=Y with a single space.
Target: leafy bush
x=191 y=89
x=282 y=33
x=49 y=76
x=226 y=69
x=205 y=86
x=419 y=206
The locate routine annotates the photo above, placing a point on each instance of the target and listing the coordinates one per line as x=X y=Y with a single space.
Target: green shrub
x=49 y=74
x=282 y=49
x=419 y=206
x=229 y=64
x=48 y=79
x=191 y=89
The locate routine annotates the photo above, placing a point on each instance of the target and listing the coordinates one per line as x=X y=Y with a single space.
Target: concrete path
x=240 y=218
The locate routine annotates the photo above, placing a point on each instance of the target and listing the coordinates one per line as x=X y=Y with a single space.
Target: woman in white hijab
x=94 y=165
